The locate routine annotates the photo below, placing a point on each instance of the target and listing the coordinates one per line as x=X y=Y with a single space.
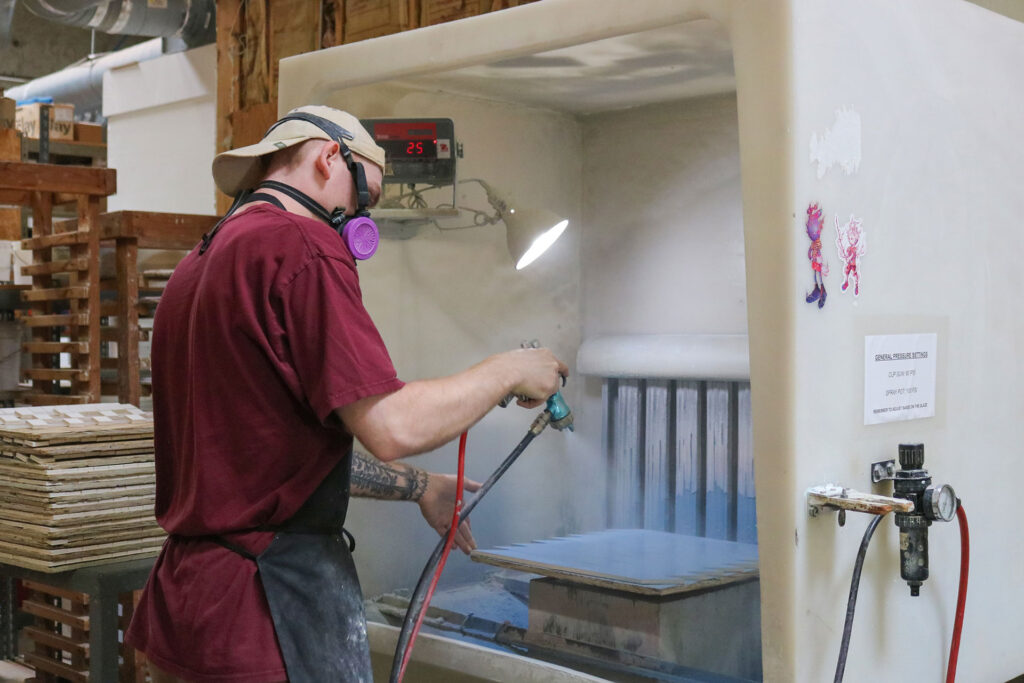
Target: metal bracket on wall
x=840 y=498
x=883 y=470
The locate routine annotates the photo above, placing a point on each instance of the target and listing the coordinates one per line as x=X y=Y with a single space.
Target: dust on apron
x=312 y=588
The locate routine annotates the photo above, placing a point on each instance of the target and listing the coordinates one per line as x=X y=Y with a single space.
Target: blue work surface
x=632 y=560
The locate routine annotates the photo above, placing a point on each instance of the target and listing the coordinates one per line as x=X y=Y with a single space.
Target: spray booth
x=790 y=250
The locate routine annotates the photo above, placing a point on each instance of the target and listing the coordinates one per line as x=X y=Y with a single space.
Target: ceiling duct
x=190 y=20
x=179 y=25
x=82 y=84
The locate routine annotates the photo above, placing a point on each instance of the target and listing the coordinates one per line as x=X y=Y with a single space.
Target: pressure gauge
x=940 y=503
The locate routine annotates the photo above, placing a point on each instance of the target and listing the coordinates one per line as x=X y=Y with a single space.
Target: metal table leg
x=103 y=643
x=7 y=635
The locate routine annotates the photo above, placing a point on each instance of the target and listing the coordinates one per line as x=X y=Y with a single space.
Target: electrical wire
x=452 y=529
x=851 y=604
x=961 y=596
x=417 y=601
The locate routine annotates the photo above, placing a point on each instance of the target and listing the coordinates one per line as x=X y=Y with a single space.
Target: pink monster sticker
x=851 y=243
x=815 y=224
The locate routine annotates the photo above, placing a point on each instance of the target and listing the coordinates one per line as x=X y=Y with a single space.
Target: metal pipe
x=82 y=84
x=191 y=20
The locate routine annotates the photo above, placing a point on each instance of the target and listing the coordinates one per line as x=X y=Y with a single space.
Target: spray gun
x=558 y=413
x=931 y=503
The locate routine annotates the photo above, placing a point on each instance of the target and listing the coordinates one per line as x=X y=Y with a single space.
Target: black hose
x=851 y=604
x=416 y=601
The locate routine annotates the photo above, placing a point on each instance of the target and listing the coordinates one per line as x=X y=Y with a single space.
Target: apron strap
x=239 y=550
x=233 y=547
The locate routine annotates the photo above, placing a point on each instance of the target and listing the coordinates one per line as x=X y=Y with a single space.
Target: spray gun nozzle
x=561 y=415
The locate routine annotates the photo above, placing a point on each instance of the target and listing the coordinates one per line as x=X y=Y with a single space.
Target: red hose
x=449 y=539
x=961 y=597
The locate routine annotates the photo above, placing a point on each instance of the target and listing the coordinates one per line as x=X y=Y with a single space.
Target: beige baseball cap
x=240 y=169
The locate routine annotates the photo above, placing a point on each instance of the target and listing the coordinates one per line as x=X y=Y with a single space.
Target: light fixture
x=529 y=232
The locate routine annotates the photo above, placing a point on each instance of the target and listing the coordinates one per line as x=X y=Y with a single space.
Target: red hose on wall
x=961 y=597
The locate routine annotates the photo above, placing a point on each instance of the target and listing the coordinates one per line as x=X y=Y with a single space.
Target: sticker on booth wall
x=839 y=145
x=899 y=377
x=851 y=243
x=819 y=266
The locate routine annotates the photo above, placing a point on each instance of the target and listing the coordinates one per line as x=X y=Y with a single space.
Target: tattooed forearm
x=372 y=478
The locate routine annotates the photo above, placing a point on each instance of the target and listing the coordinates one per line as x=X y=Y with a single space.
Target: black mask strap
x=208 y=237
x=339 y=135
x=241 y=199
x=362 y=189
x=336 y=219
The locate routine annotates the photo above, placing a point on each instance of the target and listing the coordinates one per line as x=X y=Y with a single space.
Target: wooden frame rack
x=65 y=292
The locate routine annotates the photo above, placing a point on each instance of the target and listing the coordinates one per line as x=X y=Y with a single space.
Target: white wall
x=663 y=250
x=444 y=300
x=936 y=85
x=161 y=124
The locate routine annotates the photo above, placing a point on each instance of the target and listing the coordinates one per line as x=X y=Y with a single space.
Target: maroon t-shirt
x=255 y=343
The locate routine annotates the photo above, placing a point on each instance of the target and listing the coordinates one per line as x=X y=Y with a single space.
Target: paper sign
x=899 y=377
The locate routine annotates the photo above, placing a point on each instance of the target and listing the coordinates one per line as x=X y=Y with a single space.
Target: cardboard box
x=371 y=18
x=8 y=117
x=91 y=133
x=62 y=120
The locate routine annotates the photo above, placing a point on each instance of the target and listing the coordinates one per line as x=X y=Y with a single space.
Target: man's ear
x=327 y=159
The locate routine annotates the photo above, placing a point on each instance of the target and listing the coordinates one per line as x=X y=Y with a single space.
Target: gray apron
x=312 y=588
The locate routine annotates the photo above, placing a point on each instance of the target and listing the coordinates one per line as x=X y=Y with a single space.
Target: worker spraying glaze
x=266 y=365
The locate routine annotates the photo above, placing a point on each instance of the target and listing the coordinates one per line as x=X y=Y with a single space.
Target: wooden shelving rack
x=130 y=231
x=65 y=294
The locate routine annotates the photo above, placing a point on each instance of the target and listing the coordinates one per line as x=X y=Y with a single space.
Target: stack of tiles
x=77 y=486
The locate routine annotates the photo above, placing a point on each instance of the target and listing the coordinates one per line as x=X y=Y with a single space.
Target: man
x=265 y=365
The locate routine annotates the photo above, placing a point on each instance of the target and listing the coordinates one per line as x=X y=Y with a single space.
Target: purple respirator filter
x=362 y=237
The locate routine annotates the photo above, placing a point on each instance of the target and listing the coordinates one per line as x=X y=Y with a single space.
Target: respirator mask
x=359 y=232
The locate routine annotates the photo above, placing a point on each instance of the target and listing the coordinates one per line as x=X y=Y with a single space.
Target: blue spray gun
x=558 y=412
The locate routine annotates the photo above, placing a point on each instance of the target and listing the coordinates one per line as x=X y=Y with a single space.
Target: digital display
x=402 y=139
x=397 y=149
x=416 y=150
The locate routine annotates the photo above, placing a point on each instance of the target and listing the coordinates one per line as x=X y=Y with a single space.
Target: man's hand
x=541 y=375
x=438 y=503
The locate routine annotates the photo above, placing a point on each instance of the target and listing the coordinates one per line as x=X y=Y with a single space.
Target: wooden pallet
x=60 y=633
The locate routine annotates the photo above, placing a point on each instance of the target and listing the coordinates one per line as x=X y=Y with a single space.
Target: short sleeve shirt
x=255 y=343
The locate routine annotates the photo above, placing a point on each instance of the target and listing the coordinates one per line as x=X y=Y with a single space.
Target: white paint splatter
x=840 y=145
